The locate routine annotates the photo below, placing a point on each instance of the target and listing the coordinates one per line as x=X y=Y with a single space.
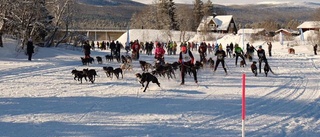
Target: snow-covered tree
x=25 y=19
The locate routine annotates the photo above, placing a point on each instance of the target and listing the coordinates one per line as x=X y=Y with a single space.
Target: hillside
x=118 y=13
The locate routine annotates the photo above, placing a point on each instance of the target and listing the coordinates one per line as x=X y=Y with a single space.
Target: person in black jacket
x=202 y=52
x=315 y=48
x=30 y=49
x=262 y=57
x=86 y=49
x=221 y=54
x=113 y=48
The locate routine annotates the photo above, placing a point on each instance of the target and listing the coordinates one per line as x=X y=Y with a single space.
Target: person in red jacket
x=135 y=49
x=159 y=54
x=186 y=60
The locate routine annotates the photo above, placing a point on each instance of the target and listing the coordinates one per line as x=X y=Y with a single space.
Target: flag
x=281 y=38
x=128 y=37
x=243 y=39
x=301 y=35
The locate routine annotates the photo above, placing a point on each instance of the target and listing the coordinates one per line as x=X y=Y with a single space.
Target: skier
x=262 y=57
x=221 y=54
x=186 y=60
x=228 y=50
x=239 y=52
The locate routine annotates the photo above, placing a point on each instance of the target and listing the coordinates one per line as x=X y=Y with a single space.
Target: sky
x=228 y=2
x=40 y=98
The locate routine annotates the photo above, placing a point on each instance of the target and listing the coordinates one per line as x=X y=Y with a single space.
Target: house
x=309 y=25
x=217 y=24
x=288 y=32
x=249 y=31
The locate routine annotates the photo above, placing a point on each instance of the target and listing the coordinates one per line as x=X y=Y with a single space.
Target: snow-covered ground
x=40 y=98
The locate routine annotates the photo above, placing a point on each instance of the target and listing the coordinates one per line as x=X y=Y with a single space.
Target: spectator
x=30 y=49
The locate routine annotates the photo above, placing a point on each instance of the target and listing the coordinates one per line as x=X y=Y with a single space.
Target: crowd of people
x=186 y=57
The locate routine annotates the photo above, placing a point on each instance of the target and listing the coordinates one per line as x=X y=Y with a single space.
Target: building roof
x=287 y=31
x=250 y=31
x=309 y=24
x=222 y=21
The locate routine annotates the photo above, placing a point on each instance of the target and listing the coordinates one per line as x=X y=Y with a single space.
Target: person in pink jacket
x=159 y=54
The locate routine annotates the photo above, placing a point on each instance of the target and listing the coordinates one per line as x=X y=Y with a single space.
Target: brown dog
x=126 y=66
x=145 y=66
x=291 y=51
x=254 y=68
x=242 y=63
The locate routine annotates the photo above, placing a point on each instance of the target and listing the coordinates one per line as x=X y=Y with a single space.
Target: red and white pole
x=243 y=103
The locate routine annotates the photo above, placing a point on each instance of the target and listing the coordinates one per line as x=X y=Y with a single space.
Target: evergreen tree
x=172 y=15
x=197 y=13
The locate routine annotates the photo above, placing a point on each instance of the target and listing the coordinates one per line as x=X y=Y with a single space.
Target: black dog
x=266 y=69
x=99 y=59
x=254 y=68
x=108 y=71
x=124 y=59
x=147 y=77
x=211 y=63
x=78 y=75
x=109 y=58
x=198 y=65
x=91 y=74
x=86 y=61
x=117 y=71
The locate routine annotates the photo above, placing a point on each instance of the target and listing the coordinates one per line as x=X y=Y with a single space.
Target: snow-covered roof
x=222 y=21
x=309 y=24
x=250 y=31
x=287 y=31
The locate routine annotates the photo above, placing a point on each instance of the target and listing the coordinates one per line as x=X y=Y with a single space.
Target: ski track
x=290 y=96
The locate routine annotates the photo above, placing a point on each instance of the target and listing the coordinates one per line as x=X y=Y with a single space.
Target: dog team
x=186 y=64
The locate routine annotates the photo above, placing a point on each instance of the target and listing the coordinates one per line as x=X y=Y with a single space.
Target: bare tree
x=208 y=8
x=185 y=21
x=62 y=11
